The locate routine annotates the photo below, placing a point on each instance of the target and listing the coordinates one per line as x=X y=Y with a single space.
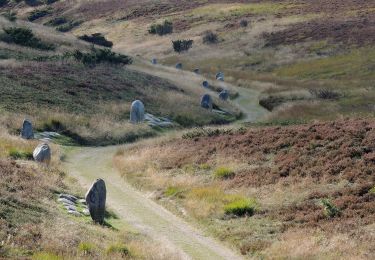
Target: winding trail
x=133 y=207
x=88 y=164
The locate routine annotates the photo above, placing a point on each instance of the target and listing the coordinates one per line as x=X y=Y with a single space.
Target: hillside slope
x=311 y=186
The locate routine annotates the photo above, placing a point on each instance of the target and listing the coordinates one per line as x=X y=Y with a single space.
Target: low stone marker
x=179 y=66
x=27 y=130
x=220 y=78
x=206 y=101
x=219 y=75
x=95 y=199
x=42 y=153
x=224 y=95
x=197 y=71
x=137 y=112
x=205 y=84
x=154 y=61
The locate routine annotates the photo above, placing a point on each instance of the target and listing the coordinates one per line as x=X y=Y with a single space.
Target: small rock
x=68 y=197
x=42 y=153
x=74 y=213
x=82 y=201
x=197 y=71
x=154 y=61
x=206 y=101
x=219 y=75
x=179 y=66
x=205 y=84
x=220 y=78
x=95 y=199
x=66 y=201
x=71 y=207
x=137 y=112
x=224 y=95
x=86 y=212
x=27 y=130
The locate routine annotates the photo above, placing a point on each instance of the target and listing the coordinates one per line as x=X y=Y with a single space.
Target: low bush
x=97 y=56
x=10 y=16
x=68 y=26
x=244 y=23
x=210 y=38
x=97 y=38
x=36 y=14
x=330 y=210
x=86 y=248
x=182 y=45
x=372 y=190
x=173 y=191
x=161 y=29
x=57 y=21
x=118 y=249
x=223 y=173
x=46 y=256
x=324 y=93
x=20 y=155
x=241 y=207
x=24 y=37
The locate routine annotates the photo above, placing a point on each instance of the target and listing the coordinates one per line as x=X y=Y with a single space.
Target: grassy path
x=88 y=164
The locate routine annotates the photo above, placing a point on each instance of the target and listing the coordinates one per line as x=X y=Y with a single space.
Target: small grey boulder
x=197 y=71
x=206 y=101
x=95 y=199
x=179 y=66
x=219 y=75
x=224 y=95
x=205 y=84
x=137 y=112
x=27 y=130
x=68 y=197
x=42 y=153
x=154 y=61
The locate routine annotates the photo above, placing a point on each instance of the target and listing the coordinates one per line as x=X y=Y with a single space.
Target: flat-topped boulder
x=137 y=112
x=27 y=130
x=205 y=84
x=219 y=75
x=206 y=101
x=95 y=199
x=224 y=95
x=42 y=153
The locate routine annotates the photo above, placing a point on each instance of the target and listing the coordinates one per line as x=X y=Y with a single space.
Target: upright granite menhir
x=137 y=112
x=95 y=199
x=27 y=130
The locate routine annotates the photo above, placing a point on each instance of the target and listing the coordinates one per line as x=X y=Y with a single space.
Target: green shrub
x=182 y=45
x=372 y=190
x=97 y=38
x=210 y=38
x=241 y=207
x=97 y=56
x=66 y=27
x=173 y=191
x=330 y=210
x=86 y=248
x=161 y=29
x=10 y=16
x=118 y=249
x=24 y=37
x=17 y=154
x=56 y=21
x=223 y=173
x=36 y=14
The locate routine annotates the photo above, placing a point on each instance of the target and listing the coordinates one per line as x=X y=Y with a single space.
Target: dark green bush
x=17 y=154
x=24 y=37
x=56 y=21
x=161 y=29
x=11 y=16
x=210 y=38
x=36 y=14
x=182 y=45
x=244 y=23
x=66 y=27
x=330 y=210
x=33 y=2
x=97 y=56
x=98 y=39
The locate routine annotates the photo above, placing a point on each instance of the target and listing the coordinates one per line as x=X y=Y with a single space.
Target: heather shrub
x=97 y=38
x=36 y=14
x=161 y=29
x=24 y=37
x=210 y=38
x=182 y=45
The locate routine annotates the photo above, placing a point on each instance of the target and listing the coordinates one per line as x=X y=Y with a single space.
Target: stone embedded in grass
x=137 y=112
x=205 y=84
x=219 y=75
x=82 y=201
x=74 y=213
x=206 y=101
x=220 y=78
x=86 y=212
x=42 y=153
x=95 y=199
x=179 y=66
x=27 y=130
x=154 y=61
x=224 y=95
x=65 y=201
x=68 y=197
x=197 y=71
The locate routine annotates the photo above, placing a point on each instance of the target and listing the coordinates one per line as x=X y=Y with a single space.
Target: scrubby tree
x=161 y=29
x=182 y=45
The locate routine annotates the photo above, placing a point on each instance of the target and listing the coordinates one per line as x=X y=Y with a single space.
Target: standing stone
x=179 y=66
x=137 y=112
x=197 y=71
x=224 y=95
x=27 y=130
x=206 y=101
x=95 y=199
x=42 y=153
x=205 y=84
x=154 y=61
